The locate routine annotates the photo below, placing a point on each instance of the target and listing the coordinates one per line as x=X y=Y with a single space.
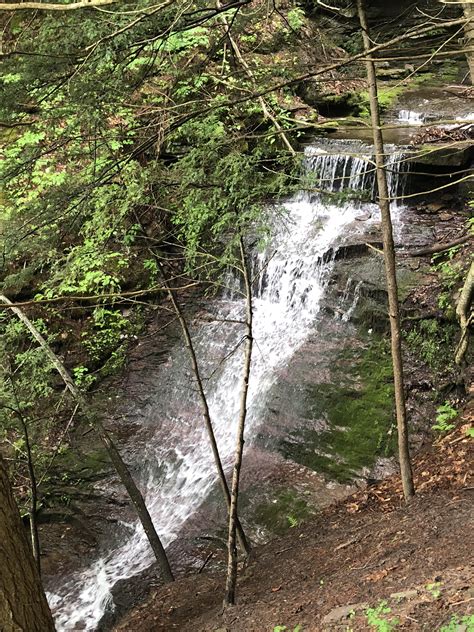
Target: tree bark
x=231 y=580
x=35 y=543
x=117 y=461
x=23 y=605
x=435 y=248
x=390 y=266
x=463 y=312
x=205 y=408
x=468 y=8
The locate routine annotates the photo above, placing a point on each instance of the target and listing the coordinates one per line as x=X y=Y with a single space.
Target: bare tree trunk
x=390 y=267
x=35 y=543
x=469 y=33
x=54 y=6
x=463 y=312
x=205 y=407
x=117 y=461
x=231 y=580
x=23 y=605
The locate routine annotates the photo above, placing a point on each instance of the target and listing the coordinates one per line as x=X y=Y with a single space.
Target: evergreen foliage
x=119 y=135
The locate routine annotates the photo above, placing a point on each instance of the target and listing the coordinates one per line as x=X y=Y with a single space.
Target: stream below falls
x=292 y=275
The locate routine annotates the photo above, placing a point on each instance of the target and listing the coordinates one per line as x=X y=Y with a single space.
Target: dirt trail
x=370 y=548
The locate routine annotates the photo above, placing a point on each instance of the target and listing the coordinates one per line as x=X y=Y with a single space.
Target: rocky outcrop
x=445 y=155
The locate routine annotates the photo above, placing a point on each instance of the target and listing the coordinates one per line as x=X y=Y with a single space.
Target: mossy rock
x=444 y=155
x=357 y=407
x=283 y=511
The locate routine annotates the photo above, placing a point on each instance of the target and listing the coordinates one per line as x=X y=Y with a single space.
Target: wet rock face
x=335 y=404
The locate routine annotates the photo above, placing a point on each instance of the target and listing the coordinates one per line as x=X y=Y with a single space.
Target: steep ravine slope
x=361 y=551
x=365 y=563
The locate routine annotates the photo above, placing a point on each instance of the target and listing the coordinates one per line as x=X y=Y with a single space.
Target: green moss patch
x=286 y=510
x=357 y=408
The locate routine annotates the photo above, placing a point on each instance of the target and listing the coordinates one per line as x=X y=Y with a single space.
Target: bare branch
x=54 y=6
x=263 y=104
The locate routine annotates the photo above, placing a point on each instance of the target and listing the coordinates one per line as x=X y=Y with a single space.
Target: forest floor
x=369 y=562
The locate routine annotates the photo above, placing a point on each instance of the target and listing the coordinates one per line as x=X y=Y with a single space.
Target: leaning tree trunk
x=23 y=605
x=231 y=580
x=464 y=313
x=114 y=455
x=469 y=34
x=390 y=266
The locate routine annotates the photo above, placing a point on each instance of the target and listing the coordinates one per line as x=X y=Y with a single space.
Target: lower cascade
x=292 y=275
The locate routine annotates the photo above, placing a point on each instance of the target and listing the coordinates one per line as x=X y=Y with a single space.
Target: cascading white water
x=466 y=118
x=294 y=272
x=466 y=121
x=350 y=299
x=411 y=118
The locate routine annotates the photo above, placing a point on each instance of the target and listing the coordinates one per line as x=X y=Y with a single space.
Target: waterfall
x=408 y=117
x=411 y=118
x=350 y=295
x=293 y=274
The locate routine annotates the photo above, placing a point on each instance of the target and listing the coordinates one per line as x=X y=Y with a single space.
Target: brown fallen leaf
x=377 y=575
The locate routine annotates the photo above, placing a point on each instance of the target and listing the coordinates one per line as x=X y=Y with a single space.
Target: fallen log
x=436 y=248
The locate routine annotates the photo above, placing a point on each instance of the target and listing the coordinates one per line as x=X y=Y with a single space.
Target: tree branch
x=263 y=104
x=54 y=6
x=114 y=455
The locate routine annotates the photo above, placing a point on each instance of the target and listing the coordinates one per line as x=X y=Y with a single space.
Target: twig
x=204 y=564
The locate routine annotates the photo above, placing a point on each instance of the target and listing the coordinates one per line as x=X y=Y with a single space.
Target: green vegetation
x=445 y=414
x=433 y=342
x=147 y=141
x=459 y=623
x=376 y=617
x=434 y=589
x=285 y=511
x=386 y=97
x=296 y=18
x=451 y=275
x=108 y=164
x=357 y=407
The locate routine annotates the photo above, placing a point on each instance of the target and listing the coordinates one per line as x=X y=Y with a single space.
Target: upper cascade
x=350 y=166
x=411 y=118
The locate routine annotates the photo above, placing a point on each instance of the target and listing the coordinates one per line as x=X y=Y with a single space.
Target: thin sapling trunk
x=205 y=408
x=390 y=265
x=231 y=580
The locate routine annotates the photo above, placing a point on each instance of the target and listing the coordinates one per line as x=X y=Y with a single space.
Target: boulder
x=445 y=155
